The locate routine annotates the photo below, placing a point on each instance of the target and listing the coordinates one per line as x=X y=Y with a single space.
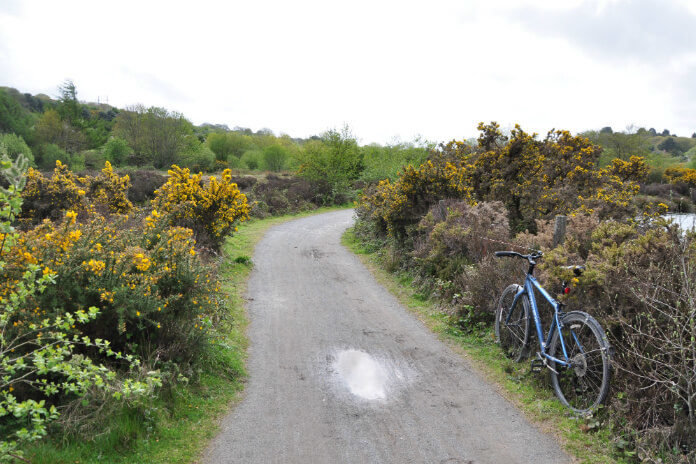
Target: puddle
x=363 y=376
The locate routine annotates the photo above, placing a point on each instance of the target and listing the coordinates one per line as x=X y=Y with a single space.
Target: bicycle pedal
x=537 y=365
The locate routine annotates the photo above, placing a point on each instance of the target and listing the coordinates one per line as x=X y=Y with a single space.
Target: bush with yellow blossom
x=211 y=209
x=45 y=353
x=155 y=295
x=534 y=179
x=49 y=197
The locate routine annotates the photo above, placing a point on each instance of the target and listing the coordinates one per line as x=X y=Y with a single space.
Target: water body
x=685 y=221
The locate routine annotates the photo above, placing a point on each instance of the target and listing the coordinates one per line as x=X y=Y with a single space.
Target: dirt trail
x=341 y=373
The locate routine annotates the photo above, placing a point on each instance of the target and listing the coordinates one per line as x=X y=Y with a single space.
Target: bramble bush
x=211 y=210
x=144 y=184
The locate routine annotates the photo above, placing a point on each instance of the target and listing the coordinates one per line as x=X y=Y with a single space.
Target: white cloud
x=386 y=68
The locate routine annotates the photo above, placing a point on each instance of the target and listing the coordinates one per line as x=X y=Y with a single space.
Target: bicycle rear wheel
x=584 y=384
x=513 y=334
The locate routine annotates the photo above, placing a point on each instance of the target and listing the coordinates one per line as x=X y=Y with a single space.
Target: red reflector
x=566 y=290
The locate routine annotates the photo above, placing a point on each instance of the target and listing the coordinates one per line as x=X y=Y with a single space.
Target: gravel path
x=340 y=372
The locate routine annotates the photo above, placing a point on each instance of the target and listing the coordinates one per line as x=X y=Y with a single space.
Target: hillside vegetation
x=84 y=136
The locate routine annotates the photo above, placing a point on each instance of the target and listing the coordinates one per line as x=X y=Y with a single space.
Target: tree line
x=84 y=135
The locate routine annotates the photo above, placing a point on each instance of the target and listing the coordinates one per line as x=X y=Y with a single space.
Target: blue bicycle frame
x=530 y=283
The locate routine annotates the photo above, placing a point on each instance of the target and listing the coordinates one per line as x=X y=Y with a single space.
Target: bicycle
x=575 y=350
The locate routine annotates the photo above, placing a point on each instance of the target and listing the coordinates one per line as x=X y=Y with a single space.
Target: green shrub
x=335 y=159
x=50 y=153
x=274 y=157
x=117 y=151
x=14 y=145
x=234 y=163
x=77 y=162
x=94 y=159
x=252 y=159
x=197 y=156
x=227 y=144
x=386 y=162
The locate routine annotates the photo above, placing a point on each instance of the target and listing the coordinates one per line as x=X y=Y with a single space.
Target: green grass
x=528 y=391
x=181 y=421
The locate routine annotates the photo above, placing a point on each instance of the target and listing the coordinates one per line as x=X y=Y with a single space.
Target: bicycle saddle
x=576 y=268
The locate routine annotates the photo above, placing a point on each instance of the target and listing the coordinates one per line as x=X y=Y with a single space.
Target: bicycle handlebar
x=529 y=257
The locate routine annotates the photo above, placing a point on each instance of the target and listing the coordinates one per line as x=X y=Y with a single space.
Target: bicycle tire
x=513 y=337
x=584 y=386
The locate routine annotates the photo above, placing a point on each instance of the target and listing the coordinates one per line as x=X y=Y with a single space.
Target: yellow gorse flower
x=141 y=262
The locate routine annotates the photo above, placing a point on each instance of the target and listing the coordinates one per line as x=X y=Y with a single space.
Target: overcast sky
x=386 y=68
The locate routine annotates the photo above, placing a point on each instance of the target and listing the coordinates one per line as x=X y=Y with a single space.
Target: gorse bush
x=49 y=197
x=533 y=179
x=156 y=298
x=211 y=210
x=639 y=284
x=680 y=175
x=44 y=352
x=395 y=206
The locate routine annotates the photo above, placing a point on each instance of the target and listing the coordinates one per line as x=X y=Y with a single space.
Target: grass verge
x=581 y=438
x=181 y=420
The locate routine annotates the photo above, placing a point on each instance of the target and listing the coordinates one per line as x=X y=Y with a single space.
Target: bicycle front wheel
x=512 y=328
x=584 y=384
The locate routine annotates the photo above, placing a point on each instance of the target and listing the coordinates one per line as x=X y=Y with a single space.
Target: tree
x=623 y=145
x=665 y=133
x=14 y=118
x=652 y=131
x=670 y=146
x=335 y=159
x=50 y=128
x=69 y=107
x=155 y=134
x=693 y=136
x=274 y=157
x=226 y=144
x=606 y=130
x=116 y=151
